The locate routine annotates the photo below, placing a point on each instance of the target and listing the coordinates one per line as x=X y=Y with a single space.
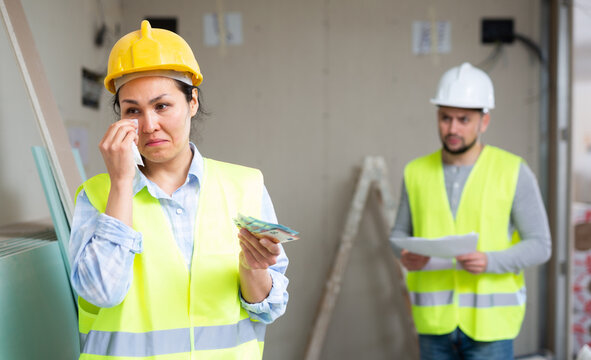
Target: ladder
x=373 y=175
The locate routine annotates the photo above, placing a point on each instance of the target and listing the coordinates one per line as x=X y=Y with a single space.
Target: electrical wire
x=488 y=63
x=531 y=46
x=99 y=35
x=491 y=60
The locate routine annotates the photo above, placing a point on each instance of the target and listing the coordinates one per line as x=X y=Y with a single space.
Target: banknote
x=261 y=228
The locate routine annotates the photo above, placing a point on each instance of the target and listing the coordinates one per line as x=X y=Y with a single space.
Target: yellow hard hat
x=151 y=49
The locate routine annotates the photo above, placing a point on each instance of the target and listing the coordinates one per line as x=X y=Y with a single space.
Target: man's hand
x=474 y=263
x=412 y=261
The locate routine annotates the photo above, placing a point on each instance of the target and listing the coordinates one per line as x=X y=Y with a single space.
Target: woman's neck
x=170 y=175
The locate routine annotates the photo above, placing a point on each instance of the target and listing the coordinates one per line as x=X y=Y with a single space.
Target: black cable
x=99 y=35
x=488 y=63
x=532 y=46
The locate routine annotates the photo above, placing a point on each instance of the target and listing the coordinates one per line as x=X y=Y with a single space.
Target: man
x=470 y=307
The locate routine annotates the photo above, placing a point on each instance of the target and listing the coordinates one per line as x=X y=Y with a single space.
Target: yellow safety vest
x=168 y=312
x=487 y=307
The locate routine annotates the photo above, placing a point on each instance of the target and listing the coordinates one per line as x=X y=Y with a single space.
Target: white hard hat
x=467 y=87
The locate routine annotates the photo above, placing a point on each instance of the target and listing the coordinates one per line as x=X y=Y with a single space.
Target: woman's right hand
x=115 y=148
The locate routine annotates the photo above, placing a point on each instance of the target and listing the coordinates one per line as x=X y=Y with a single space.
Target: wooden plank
x=49 y=121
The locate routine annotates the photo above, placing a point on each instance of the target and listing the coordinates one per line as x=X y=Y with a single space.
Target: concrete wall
x=316 y=86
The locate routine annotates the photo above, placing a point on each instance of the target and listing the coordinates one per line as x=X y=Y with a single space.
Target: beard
x=461 y=150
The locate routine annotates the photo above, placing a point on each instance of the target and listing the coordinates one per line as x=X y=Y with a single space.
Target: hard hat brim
x=461 y=105
x=110 y=80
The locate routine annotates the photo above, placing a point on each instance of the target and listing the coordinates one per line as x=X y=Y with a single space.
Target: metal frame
x=559 y=175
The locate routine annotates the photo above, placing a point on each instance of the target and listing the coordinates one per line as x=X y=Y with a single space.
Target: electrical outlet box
x=167 y=23
x=497 y=30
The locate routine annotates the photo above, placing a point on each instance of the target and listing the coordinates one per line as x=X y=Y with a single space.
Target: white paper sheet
x=444 y=247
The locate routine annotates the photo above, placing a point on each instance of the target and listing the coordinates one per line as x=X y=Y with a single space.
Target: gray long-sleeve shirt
x=528 y=217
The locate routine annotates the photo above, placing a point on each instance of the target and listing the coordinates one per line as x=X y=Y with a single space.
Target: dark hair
x=187 y=90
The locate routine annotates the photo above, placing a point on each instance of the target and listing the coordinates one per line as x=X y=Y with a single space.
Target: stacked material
x=20 y=237
x=36 y=301
x=582 y=277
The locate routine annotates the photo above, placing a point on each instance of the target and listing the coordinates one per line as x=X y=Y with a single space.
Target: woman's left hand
x=257 y=254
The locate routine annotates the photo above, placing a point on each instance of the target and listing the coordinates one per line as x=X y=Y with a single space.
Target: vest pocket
x=87 y=314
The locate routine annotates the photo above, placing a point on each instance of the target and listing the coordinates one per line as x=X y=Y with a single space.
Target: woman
x=161 y=271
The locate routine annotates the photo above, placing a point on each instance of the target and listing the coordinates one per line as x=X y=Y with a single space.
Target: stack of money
x=260 y=229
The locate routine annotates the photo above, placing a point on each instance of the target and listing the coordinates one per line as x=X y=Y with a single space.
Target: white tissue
x=137 y=157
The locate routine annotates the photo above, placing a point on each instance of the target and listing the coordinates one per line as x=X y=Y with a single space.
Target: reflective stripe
x=469 y=300
x=435 y=263
x=432 y=298
x=151 y=343
x=227 y=336
x=162 y=342
x=490 y=300
x=83 y=338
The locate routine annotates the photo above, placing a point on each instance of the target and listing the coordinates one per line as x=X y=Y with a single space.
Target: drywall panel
x=37 y=303
x=63 y=32
x=20 y=189
x=315 y=87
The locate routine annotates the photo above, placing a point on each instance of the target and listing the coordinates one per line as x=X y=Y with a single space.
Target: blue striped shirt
x=102 y=248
